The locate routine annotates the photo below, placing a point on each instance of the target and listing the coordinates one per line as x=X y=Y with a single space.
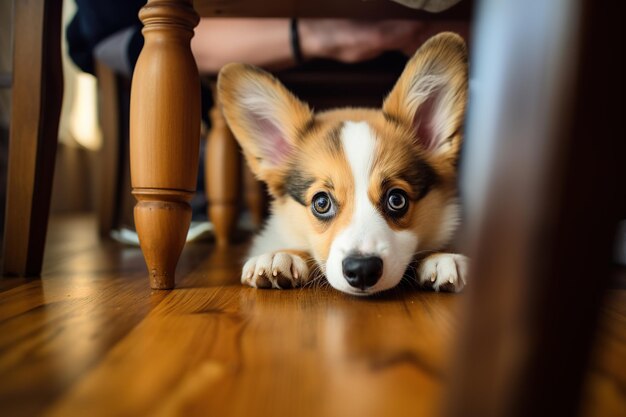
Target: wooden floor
x=90 y=339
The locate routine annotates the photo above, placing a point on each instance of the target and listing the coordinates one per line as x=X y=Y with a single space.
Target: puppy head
x=369 y=188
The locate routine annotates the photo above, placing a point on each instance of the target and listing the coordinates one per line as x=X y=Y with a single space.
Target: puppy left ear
x=266 y=119
x=431 y=94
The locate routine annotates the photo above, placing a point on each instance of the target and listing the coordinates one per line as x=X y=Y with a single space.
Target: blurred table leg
x=545 y=153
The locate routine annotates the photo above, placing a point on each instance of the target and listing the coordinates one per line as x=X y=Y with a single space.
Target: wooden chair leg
x=164 y=135
x=222 y=176
x=254 y=196
x=37 y=97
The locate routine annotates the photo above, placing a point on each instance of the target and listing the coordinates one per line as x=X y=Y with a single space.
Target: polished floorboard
x=91 y=339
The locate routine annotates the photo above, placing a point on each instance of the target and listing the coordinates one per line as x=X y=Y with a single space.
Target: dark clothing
x=95 y=20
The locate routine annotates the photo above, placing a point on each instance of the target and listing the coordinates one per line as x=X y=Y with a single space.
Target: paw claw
x=444 y=272
x=287 y=271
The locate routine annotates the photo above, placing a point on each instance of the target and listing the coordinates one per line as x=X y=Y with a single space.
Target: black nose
x=362 y=271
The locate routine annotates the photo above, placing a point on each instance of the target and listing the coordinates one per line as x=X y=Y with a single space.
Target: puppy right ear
x=431 y=95
x=264 y=116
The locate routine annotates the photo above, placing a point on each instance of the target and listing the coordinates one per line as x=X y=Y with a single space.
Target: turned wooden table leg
x=254 y=196
x=37 y=96
x=110 y=156
x=223 y=176
x=164 y=135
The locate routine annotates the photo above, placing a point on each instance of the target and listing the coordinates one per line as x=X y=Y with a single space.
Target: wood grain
x=90 y=338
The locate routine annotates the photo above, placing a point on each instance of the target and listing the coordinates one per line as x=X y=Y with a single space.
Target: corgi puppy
x=357 y=193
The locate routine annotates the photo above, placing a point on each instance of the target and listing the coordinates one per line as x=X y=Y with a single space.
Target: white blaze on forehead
x=367 y=232
x=359 y=146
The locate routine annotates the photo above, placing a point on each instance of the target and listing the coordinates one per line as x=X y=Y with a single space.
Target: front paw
x=280 y=270
x=444 y=272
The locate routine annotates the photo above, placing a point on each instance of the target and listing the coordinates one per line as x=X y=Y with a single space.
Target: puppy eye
x=322 y=205
x=397 y=202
